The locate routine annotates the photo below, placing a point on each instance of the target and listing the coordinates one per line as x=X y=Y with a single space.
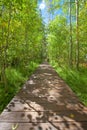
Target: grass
x=77 y=80
x=15 y=80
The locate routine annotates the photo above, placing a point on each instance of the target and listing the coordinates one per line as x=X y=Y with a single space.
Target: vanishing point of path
x=44 y=103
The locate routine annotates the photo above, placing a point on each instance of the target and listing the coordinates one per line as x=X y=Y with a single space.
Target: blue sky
x=46 y=16
x=44 y=12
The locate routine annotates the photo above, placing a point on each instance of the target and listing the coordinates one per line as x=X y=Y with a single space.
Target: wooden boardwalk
x=44 y=103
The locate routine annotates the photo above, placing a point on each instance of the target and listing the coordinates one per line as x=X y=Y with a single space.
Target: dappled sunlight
x=47 y=74
x=30 y=82
x=47 y=103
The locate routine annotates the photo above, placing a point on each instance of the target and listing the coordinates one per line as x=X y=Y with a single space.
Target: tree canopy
x=26 y=41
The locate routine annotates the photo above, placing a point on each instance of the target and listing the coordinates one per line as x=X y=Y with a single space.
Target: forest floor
x=45 y=102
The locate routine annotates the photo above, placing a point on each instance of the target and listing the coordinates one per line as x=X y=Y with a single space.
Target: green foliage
x=24 y=43
x=28 y=69
x=15 y=80
x=61 y=34
x=6 y=96
x=77 y=80
x=57 y=39
x=67 y=43
x=21 y=40
x=14 y=77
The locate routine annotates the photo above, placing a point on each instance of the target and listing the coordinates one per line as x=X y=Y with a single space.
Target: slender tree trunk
x=8 y=33
x=2 y=59
x=71 y=43
x=77 y=34
x=2 y=55
x=6 y=47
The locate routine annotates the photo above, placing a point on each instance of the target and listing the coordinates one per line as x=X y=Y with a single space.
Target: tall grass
x=15 y=78
x=77 y=80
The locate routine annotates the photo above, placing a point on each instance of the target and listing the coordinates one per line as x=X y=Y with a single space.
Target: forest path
x=44 y=103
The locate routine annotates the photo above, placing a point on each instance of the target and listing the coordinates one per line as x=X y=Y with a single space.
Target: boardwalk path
x=44 y=103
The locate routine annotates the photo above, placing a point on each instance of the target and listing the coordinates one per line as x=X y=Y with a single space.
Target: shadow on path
x=45 y=103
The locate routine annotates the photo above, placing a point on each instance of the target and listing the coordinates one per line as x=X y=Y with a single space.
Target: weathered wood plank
x=45 y=126
x=18 y=104
x=45 y=102
x=41 y=116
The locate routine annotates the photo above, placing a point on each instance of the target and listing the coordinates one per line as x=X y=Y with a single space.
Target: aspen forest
x=27 y=39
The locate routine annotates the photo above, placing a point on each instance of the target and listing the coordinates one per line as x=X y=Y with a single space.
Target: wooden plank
x=27 y=126
x=41 y=116
x=45 y=103
x=18 y=104
x=41 y=104
x=50 y=95
x=45 y=126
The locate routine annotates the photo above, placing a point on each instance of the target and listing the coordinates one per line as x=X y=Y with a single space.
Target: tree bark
x=71 y=43
x=77 y=34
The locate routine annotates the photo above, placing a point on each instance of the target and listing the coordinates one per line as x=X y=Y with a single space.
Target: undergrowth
x=15 y=78
x=77 y=80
